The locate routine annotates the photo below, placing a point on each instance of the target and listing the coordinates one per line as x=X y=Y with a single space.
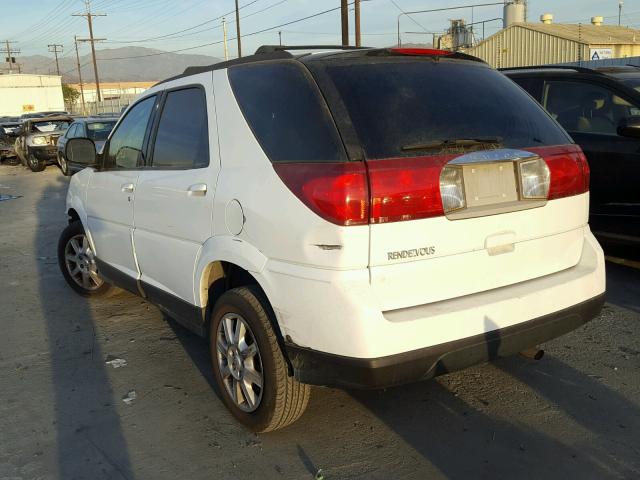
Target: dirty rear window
x=395 y=104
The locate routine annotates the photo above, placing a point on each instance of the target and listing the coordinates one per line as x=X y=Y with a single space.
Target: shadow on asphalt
x=623 y=286
x=462 y=441
x=89 y=439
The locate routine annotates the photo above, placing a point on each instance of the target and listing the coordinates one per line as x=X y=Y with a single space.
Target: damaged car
x=36 y=144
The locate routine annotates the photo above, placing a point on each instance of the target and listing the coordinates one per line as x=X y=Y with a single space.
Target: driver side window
x=585 y=107
x=126 y=143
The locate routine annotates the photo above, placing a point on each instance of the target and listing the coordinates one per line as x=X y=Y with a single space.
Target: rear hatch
x=472 y=186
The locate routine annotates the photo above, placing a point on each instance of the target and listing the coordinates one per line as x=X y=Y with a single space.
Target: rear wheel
x=77 y=263
x=34 y=164
x=248 y=365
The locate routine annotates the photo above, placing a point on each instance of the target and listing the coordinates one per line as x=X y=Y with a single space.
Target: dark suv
x=600 y=108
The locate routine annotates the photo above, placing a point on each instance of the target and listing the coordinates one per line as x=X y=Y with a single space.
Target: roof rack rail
x=280 y=48
x=552 y=67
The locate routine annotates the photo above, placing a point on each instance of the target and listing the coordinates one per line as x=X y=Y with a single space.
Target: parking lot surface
x=110 y=389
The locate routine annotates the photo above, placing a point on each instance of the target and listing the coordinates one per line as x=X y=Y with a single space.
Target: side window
x=125 y=146
x=71 y=133
x=286 y=112
x=182 y=140
x=585 y=107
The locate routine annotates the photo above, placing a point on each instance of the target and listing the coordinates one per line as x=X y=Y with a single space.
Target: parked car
x=600 y=109
x=36 y=144
x=8 y=133
x=97 y=129
x=353 y=218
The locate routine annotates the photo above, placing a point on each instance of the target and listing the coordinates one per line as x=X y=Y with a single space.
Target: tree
x=69 y=94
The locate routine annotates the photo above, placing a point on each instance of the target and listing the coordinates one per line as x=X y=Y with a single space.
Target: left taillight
x=337 y=192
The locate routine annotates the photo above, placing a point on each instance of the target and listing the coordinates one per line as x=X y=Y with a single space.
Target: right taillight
x=568 y=170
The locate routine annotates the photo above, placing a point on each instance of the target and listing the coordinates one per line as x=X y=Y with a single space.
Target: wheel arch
x=227 y=263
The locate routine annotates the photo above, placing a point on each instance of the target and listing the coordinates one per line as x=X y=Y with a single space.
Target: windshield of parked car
x=397 y=105
x=99 y=130
x=50 y=126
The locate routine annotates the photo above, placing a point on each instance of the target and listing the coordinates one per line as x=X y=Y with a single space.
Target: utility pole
x=344 y=15
x=89 y=16
x=11 y=60
x=280 y=37
x=620 y=4
x=238 y=30
x=356 y=7
x=55 y=51
x=224 y=38
x=84 y=111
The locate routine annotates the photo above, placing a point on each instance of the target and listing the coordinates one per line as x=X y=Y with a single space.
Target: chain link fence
x=105 y=107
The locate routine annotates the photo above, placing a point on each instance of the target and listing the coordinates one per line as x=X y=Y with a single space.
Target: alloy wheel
x=239 y=362
x=81 y=263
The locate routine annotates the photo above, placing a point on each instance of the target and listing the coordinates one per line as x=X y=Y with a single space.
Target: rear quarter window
x=286 y=112
x=395 y=103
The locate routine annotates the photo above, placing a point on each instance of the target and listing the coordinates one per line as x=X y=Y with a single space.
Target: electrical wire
x=229 y=39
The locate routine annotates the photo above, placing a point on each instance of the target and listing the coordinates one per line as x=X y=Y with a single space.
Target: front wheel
x=77 y=263
x=248 y=365
x=34 y=164
x=62 y=163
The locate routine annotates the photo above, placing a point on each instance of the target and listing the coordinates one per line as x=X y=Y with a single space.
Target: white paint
x=24 y=93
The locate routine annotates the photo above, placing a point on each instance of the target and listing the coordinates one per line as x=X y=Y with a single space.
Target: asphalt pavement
x=110 y=389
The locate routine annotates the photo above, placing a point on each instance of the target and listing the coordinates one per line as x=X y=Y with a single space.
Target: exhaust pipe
x=533 y=353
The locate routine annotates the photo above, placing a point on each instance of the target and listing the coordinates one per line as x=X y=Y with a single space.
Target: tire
x=81 y=274
x=12 y=161
x=281 y=400
x=62 y=163
x=34 y=164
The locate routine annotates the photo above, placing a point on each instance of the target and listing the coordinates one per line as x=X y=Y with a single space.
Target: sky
x=195 y=26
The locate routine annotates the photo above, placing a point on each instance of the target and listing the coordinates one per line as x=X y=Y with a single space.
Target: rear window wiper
x=456 y=142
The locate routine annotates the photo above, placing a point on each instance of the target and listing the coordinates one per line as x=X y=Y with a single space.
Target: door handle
x=197 y=189
x=127 y=187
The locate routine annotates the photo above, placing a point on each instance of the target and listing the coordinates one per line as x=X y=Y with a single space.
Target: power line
x=220 y=17
x=221 y=41
x=174 y=36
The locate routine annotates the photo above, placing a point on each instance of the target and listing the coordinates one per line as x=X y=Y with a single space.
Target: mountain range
x=126 y=64
x=131 y=64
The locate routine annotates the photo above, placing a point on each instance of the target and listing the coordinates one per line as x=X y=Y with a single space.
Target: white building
x=25 y=93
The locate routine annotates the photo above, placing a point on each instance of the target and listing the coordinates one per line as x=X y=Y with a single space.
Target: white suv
x=355 y=218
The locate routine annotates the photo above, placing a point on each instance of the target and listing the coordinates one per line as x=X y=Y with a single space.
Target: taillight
x=338 y=192
x=406 y=188
x=411 y=188
x=568 y=168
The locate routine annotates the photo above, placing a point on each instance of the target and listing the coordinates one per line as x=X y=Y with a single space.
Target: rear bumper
x=318 y=368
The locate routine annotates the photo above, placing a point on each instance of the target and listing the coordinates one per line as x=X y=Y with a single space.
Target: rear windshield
x=397 y=105
x=99 y=130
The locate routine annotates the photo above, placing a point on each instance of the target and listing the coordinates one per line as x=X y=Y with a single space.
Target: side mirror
x=81 y=151
x=629 y=127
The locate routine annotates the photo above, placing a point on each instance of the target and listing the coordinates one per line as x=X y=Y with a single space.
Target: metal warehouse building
x=527 y=44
